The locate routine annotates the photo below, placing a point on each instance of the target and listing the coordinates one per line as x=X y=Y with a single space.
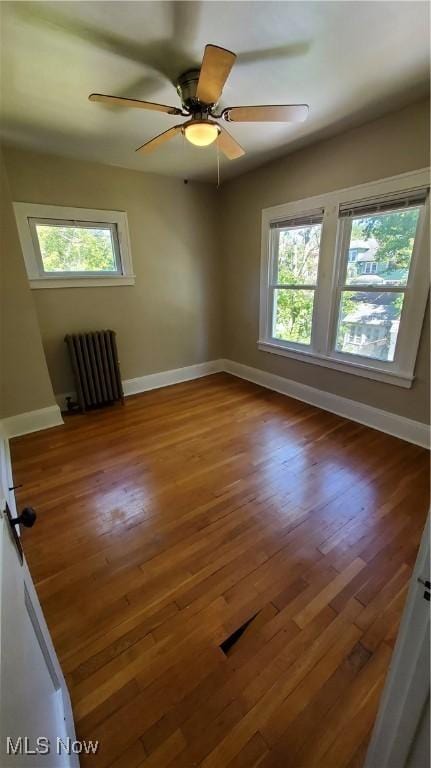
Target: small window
x=295 y=248
x=76 y=247
x=370 y=267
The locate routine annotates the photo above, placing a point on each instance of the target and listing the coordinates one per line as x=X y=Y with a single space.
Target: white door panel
x=34 y=701
x=407 y=684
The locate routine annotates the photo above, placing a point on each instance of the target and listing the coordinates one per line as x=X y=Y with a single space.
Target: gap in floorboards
x=230 y=641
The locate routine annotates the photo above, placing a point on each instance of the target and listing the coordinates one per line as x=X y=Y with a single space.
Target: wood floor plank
x=252 y=754
x=328 y=593
x=168 y=523
x=304 y=728
x=340 y=721
x=166 y=753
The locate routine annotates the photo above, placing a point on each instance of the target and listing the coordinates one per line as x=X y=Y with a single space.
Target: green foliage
x=294 y=313
x=298 y=255
x=395 y=234
x=75 y=249
x=357 y=230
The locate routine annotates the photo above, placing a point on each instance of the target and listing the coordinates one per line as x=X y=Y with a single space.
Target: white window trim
x=332 y=253
x=26 y=211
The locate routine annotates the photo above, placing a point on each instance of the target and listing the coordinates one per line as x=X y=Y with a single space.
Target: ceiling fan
x=199 y=91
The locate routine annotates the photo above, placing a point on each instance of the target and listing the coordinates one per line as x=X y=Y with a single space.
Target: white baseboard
x=174 y=376
x=32 y=421
x=157 y=380
x=391 y=423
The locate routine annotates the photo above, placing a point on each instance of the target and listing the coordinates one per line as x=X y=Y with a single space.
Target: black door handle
x=427 y=584
x=27 y=518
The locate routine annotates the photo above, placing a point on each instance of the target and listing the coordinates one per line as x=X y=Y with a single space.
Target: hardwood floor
x=166 y=524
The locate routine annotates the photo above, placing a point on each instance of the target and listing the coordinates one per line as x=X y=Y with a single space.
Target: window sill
x=81 y=282
x=357 y=369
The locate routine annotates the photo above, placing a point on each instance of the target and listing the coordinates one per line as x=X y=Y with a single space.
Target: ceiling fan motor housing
x=187 y=85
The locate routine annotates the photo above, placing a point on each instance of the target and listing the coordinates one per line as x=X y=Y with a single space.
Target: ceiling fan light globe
x=201 y=134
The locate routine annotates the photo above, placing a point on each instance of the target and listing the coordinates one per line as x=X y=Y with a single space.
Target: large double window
x=345 y=278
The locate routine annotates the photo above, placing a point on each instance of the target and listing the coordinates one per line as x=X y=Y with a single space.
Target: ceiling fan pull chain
x=184 y=147
x=218 y=164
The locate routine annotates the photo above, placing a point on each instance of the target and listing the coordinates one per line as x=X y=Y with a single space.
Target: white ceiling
x=349 y=61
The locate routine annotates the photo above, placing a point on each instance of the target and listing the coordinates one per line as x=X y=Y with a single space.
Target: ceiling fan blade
x=153 y=144
x=282 y=113
x=137 y=103
x=216 y=66
x=228 y=145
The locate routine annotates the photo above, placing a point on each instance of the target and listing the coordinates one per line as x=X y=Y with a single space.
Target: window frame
x=274 y=285
x=334 y=246
x=28 y=215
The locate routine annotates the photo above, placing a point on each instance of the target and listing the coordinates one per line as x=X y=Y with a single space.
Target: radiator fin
x=96 y=369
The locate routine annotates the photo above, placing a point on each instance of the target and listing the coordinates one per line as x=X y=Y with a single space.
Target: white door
x=399 y=738
x=36 y=722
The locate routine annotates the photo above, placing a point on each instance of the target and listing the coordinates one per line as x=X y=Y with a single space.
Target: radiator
x=95 y=367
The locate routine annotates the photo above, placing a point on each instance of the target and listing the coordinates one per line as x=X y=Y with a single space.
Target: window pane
x=380 y=248
x=368 y=323
x=293 y=314
x=76 y=249
x=298 y=255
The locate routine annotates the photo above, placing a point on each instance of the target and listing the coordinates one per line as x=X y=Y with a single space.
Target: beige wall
x=396 y=143
x=171 y=317
x=24 y=380
x=196 y=256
